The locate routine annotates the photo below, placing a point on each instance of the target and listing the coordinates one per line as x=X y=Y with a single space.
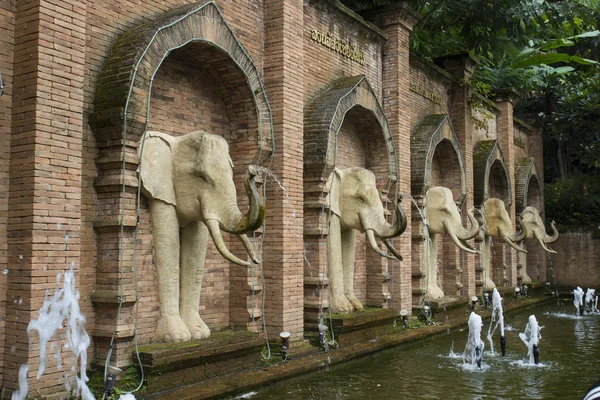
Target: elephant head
x=191 y=195
x=534 y=228
x=498 y=224
x=194 y=173
x=443 y=217
x=355 y=199
x=355 y=206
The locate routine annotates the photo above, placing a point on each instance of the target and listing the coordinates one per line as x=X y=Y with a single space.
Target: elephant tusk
x=248 y=246
x=392 y=249
x=461 y=245
x=215 y=234
x=468 y=246
x=541 y=242
x=513 y=244
x=374 y=246
x=554 y=237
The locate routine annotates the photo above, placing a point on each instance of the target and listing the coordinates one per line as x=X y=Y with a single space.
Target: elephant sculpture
x=497 y=225
x=534 y=228
x=442 y=218
x=188 y=181
x=355 y=206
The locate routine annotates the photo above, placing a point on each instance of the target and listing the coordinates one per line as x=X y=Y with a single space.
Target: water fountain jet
x=474 y=349
x=531 y=337
x=578 y=300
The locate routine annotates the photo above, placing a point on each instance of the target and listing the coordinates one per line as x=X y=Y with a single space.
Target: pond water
x=428 y=369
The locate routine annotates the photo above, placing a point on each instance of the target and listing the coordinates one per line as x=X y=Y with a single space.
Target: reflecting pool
x=433 y=368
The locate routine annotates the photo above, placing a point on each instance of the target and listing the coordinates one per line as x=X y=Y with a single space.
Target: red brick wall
x=7 y=22
x=426 y=77
x=577 y=262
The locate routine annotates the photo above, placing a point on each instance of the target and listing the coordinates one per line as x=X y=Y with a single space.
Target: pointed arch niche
x=184 y=71
x=437 y=159
x=344 y=126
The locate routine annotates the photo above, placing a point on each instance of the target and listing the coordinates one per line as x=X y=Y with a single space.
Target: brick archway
x=323 y=119
x=488 y=162
x=121 y=115
x=430 y=132
x=528 y=186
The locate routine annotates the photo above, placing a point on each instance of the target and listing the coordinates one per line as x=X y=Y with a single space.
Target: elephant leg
x=434 y=292
x=348 y=255
x=488 y=283
x=165 y=237
x=194 y=239
x=337 y=301
x=522 y=258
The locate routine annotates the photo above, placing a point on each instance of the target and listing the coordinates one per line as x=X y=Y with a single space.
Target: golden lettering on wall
x=425 y=93
x=338 y=45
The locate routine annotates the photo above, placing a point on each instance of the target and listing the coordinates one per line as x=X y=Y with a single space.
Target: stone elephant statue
x=188 y=181
x=355 y=206
x=497 y=225
x=534 y=228
x=442 y=218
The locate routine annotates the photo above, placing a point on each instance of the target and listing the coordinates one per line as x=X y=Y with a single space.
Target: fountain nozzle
x=479 y=356
x=503 y=345
x=536 y=354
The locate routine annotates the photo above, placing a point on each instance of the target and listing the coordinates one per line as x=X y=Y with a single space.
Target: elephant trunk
x=511 y=238
x=542 y=243
x=215 y=234
x=450 y=230
x=523 y=235
x=239 y=223
x=554 y=237
x=466 y=234
x=388 y=231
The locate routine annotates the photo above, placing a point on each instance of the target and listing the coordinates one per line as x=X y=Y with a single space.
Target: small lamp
x=486 y=300
x=285 y=344
x=322 y=333
x=112 y=373
x=426 y=313
x=404 y=315
x=473 y=303
x=517 y=292
x=525 y=290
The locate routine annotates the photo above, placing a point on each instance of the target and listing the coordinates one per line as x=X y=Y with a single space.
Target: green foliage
x=574 y=201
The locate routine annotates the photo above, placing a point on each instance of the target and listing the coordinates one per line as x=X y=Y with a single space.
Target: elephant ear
x=333 y=197
x=156 y=166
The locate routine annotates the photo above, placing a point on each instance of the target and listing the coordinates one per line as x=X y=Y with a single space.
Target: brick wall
x=7 y=22
x=577 y=261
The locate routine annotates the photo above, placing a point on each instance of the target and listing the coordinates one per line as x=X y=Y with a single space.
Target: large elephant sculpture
x=497 y=225
x=188 y=181
x=442 y=218
x=355 y=206
x=534 y=228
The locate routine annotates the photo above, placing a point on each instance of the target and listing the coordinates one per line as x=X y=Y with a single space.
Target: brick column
x=397 y=22
x=45 y=170
x=283 y=247
x=461 y=66
x=506 y=136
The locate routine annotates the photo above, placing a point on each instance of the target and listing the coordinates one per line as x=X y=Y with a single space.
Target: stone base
x=362 y=326
x=173 y=365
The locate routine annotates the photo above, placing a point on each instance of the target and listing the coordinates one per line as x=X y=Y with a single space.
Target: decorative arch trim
x=124 y=85
x=424 y=139
x=324 y=116
x=525 y=172
x=485 y=154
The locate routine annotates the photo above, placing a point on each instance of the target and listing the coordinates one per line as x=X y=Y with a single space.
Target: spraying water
x=590 y=305
x=498 y=317
x=474 y=348
x=531 y=337
x=578 y=300
x=61 y=310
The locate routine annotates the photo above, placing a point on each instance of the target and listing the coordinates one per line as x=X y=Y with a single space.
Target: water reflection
x=428 y=370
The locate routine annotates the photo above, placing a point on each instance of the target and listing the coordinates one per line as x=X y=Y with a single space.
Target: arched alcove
x=528 y=185
x=184 y=71
x=491 y=176
x=437 y=158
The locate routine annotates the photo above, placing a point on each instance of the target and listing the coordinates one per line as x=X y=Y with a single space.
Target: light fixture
x=285 y=344
x=473 y=303
x=322 y=334
x=112 y=373
x=404 y=315
x=426 y=313
x=525 y=290
x=486 y=300
x=517 y=291
x=1 y=85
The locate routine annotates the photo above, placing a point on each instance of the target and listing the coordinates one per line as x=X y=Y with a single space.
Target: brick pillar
x=45 y=171
x=506 y=135
x=283 y=247
x=397 y=22
x=7 y=9
x=462 y=66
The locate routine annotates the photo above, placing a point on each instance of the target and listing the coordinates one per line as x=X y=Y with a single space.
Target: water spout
x=531 y=337
x=578 y=300
x=474 y=349
x=498 y=317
